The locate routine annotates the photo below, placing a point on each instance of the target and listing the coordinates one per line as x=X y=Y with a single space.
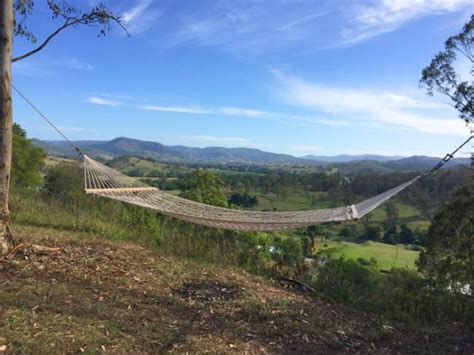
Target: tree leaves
x=98 y=15
x=449 y=254
x=27 y=160
x=441 y=76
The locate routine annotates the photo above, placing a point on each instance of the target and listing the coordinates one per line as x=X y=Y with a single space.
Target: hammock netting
x=104 y=181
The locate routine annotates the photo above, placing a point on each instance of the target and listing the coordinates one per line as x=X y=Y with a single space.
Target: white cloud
x=338 y=107
x=373 y=108
x=256 y=27
x=139 y=18
x=383 y=16
x=303 y=20
x=101 y=101
x=236 y=111
x=223 y=141
x=253 y=113
x=251 y=26
x=227 y=111
x=38 y=69
x=176 y=109
x=119 y=97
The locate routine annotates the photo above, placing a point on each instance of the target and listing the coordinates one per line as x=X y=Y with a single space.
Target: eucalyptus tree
x=449 y=254
x=13 y=23
x=443 y=76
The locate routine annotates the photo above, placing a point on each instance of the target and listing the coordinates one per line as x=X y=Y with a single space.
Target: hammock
x=104 y=181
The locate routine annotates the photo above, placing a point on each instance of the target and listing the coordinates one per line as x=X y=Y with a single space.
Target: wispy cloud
x=175 y=109
x=330 y=107
x=120 y=97
x=242 y=26
x=205 y=140
x=248 y=26
x=303 y=20
x=383 y=16
x=236 y=111
x=373 y=108
x=247 y=113
x=39 y=69
x=140 y=17
x=101 y=101
x=226 y=111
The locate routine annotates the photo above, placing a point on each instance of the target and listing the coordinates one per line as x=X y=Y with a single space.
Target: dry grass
x=97 y=296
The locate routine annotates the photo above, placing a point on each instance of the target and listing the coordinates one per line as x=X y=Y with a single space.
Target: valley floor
x=115 y=297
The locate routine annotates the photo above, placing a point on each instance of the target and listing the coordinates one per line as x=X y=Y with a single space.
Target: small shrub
x=350 y=282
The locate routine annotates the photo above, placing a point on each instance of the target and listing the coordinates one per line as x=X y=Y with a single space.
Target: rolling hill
x=123 y=146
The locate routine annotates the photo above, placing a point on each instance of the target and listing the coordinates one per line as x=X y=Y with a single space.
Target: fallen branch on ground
x=302 y=285
x=31 y=248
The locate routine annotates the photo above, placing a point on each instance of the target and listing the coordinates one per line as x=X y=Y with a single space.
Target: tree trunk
x=6 y=33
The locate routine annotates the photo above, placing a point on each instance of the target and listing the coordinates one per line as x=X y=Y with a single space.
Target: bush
x=242 y=200
x=27 y=160
x=350 y=282
x=400 y=296
x=449 y=255
x=373 y=233
x=409 y=298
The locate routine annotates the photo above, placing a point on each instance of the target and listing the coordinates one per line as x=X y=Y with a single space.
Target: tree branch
x=42 y=45
x=94 y=17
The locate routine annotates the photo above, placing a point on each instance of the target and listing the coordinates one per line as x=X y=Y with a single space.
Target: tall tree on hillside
x=13 y=15
x=449 y=254
x=441 y=75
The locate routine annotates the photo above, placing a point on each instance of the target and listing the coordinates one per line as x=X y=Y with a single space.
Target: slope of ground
x=98 y=296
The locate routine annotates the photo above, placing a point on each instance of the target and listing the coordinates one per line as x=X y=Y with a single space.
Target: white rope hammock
x=104 y=181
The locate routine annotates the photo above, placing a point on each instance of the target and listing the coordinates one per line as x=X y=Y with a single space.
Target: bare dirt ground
x=108 y=297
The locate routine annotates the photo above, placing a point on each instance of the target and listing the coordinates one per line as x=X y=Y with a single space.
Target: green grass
x=421 y=224
x=404 y=212
x=387 y=256
x=293 y=200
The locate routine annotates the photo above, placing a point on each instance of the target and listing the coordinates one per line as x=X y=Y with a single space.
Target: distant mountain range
x=219 y=155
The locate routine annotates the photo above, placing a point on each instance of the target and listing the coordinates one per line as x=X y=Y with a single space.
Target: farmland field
x=387 y=256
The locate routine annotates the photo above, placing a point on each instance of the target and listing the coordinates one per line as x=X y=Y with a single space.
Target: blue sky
x=288 y=76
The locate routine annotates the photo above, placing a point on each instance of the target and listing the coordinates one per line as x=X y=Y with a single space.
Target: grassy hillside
x=128 y=280
x=116 y=297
